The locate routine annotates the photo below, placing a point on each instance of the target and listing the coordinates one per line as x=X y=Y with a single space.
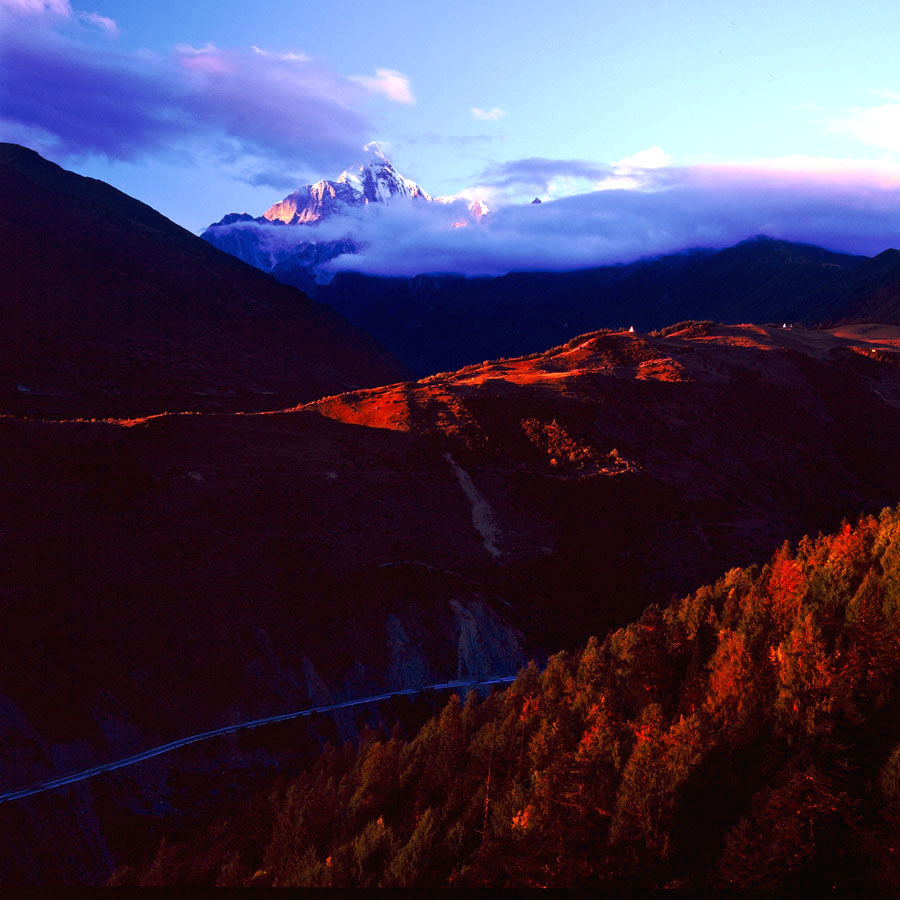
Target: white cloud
x=618 y=183
x=290 y=56
x=628 y=173
x=562 y=186
x=389 y=82
x=877 y=126
x=487 y=115
x=479 y=193
x=652 y=158
x=191 y=50
x=102 y=22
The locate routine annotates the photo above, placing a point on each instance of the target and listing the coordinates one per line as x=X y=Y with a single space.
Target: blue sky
x=202 y=108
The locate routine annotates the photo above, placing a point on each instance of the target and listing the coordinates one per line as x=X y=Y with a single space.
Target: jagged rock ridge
x=375 y=181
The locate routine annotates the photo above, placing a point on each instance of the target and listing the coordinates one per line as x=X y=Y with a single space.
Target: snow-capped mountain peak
x=373 y=148
x=375 y=180
x=378 y=181
x=310 y=204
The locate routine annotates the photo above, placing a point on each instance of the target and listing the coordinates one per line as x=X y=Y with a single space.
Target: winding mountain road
x=63 y=780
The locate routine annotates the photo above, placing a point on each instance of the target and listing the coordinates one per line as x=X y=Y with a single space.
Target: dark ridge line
x=230 y=729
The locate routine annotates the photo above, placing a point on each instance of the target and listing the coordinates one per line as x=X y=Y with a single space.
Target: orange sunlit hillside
x=745 y=736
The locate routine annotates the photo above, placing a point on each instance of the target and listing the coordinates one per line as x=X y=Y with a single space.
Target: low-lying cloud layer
x=282 y=107
x=69 y=91
x=537 y=173
x=838 y=206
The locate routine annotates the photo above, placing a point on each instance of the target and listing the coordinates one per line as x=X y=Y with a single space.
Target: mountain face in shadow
x=870 y=293
x=204 y=569
x=110 y=309
x=438 y=323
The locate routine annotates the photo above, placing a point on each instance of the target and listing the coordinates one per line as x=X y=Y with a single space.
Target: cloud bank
x=537 y=173
x=877 y=126
x=839 y=206
x=285 y=108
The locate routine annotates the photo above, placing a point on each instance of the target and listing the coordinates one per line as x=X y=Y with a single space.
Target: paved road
x=230 y=729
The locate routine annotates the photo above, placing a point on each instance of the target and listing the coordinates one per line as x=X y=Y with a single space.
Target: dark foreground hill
x=110 y=309
x=745 y=737
x=171 y=574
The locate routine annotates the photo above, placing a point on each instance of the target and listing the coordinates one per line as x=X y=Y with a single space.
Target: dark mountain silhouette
x=167 y=575
x=436 y=323
x=870 y=293
x=110 y=309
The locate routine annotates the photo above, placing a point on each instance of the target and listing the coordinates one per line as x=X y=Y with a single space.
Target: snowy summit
x=374 y=181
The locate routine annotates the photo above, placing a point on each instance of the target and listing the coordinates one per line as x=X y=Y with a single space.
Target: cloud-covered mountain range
x=641 y=212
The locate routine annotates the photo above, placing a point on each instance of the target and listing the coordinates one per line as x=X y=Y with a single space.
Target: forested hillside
x=746 y=736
